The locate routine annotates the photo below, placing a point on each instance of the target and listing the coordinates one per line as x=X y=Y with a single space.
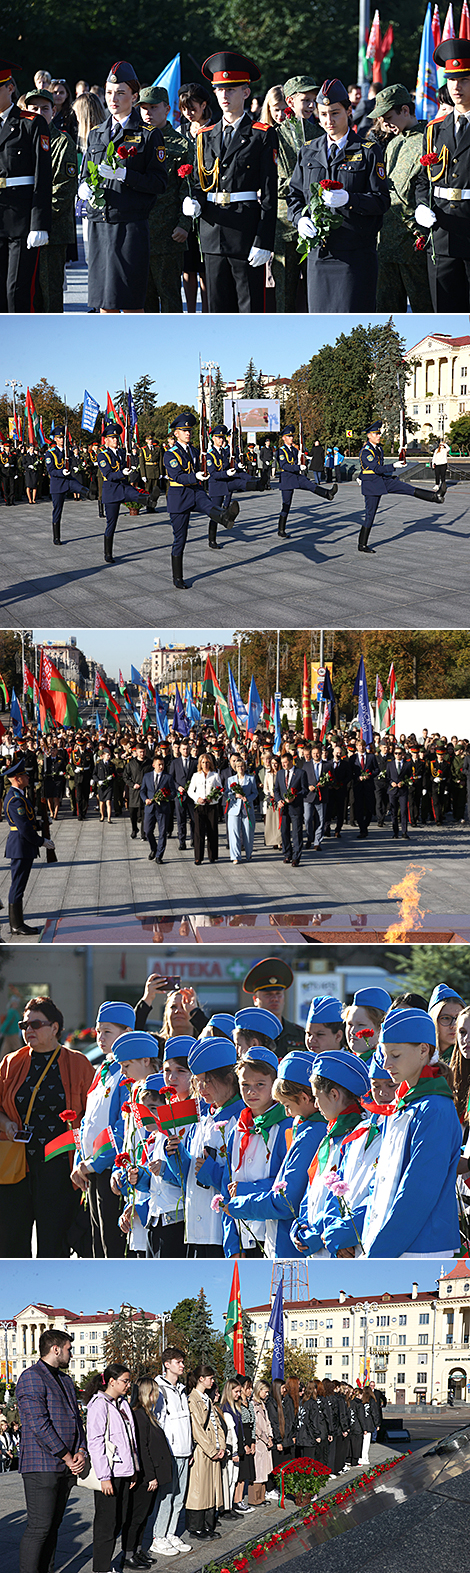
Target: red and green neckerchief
x=258 y=1125
x=335 y=1131
x=430 y=1084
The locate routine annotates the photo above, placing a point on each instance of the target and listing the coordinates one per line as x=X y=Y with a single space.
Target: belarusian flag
x=55 y=696
x=63 y=1143
x=104 y=1144
x=179 y=1114
x=382 y=705
x=33 y=422
x=307 y=704
x=4 y=689
x=31 y=687
x=112 y=706
x=233 y=1335
x=326 y=724
x=393 y=697
x=212 y=690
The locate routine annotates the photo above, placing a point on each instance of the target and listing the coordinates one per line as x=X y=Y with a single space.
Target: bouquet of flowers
x=215 y=795
x=116 y=157
x=365 y=775
x=237 y=790
x=289 y=795
x=162 y=796
x=324 y=218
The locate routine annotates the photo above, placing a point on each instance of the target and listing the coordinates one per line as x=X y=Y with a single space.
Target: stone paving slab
x=419 y=576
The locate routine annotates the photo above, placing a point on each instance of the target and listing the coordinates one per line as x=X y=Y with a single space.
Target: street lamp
x=366 y=1306
x=238 y=640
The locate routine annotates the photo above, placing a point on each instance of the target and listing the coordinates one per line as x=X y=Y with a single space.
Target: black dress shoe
x=134 y=835
x=287 y=860
x=198 y=1534
x=160 y=859
x=152 y=855
x=138 y=1559
x=295 y=862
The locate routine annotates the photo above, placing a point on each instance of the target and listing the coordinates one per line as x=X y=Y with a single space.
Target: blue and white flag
x=235 y=700
x=255 y=709
x=426 y=86
x=136 y=677
x=363 y=709
x=192 y=711
x=161 y=718
x=276 y=1322
x=171 y=79
x=90 y=412
x=180 y=721
x=277 y=728
x=132 y=410
x=16 y=714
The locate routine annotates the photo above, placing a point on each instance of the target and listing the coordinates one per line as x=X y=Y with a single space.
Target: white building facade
x=439 y=389
x=20 y=1338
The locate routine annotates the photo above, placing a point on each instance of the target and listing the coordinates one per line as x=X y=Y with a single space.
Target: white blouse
x=200 y=785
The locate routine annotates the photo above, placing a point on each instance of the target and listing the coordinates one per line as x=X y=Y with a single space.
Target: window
x=428 y=409
x=422 y=1378
x=345 y=1343
x=82 y=1365
x=423 y=1338
x=294 y=1343
x=463 y=388
x=466 y=1288
x=345 y=1360
x=328 y=1359
x=448 y=1288
x=294 y=1327
x=328 y=1343
x=463 y=371
x=415 y=409
x=313 y=1323
x=363 y=1322
x=384 y=1341
x=311 y=1343
x=402 y=1338
x=384 y=1321
x=401 y=1359
x=345 y=1321
x=330 y=1322
x=422 y=1359
x=424 y=1319
x=402 y=1321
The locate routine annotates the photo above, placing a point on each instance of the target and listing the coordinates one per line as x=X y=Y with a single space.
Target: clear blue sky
x=96 y=353
x=98 y=1286
x=119 y=647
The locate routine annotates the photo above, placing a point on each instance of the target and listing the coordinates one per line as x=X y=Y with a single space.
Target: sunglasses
x=36 y=1023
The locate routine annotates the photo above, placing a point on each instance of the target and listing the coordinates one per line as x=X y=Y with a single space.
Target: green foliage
x=11 y=664
x=181 y=1317
x=458 y=434
x=426 y=965
x=132 y=1342
x=217 y=399
x=250 y=385
x=297 y=1362
x=249 y=1346
x=390 y=376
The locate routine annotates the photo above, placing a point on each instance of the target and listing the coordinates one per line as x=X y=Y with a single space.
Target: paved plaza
x=418 y=577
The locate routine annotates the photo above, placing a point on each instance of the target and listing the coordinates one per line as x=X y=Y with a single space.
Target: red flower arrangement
x=126 y=1081
x=330 y=185
x=428 y=159
x=257 y=1552
x=68 y=1114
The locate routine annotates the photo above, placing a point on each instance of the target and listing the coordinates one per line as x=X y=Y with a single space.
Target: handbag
x=89 y=1476
x=13 y=1154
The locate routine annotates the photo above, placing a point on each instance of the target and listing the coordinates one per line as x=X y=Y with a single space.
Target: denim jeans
x=170 y=1501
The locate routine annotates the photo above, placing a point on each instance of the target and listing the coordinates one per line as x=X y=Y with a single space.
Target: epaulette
x=261 y=125
x=207 y=128
x=27 y=114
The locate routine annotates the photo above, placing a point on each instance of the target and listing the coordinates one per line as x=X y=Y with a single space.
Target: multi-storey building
x=20 y=1337
x=439 y=389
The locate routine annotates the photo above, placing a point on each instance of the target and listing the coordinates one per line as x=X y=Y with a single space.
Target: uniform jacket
x=166 y=214
x=278 y=1209
x=58 y=469
x=373 y=470
x=421 y=1216
x=50 y=1419
x=401 y=158
x=360 y=169
x=289 y=463
x=23 y=839
x=249 y=164
x=451 y=233
x=131 y=199
x=25 y=151
x=64 y=187
x=111 y=464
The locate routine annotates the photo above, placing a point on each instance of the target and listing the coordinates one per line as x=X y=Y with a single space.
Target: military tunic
x=229 y=228
x=184 y=493
x=22 y=843
x=221 y=485
x=403 y=274
x=377 y=479
x=291 y=477
x=25 y=204
x=449 y=275
x=62 y=483
x=119 y=234
x=293 y=134
x=52 y=258
x=342 y=276
x=166 y=254
x=116 y=488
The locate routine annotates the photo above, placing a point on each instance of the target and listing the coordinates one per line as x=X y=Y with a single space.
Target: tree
x=458 y=434
x=201 y=1332
x=425 y=964
x=341 y=381
x=297 y=1362
x=250 y=385
x=390 y=377
x=130 y=1341
x=181 y=1317
x=217 y=398
x=11 y=661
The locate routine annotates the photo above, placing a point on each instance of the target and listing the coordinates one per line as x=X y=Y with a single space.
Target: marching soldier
x=236 y=185
x=294 y=477
x=25 y=197
x=442 y=188
x=225 y=478
x=62 y=483
x=185 y=492
x=116 y=488
x=377 y=479
x=22 y=843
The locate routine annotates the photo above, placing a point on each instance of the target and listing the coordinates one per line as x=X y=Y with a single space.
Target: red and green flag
x=63 y=1143
x=113 y=710
x=57 y=703
x=105 y=1145
x=4 y=690
x=33 y=421
x=180 y=1113
x=211 y=690
x=307 y=704
x=233 y=1335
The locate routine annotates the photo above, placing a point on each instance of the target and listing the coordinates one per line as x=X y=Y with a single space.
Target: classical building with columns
x=415 y=1346
x=439 y=389
x=19 y=1337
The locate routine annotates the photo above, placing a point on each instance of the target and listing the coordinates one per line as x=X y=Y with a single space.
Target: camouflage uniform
x=286 y=266
x=50 y=289
x=403 y=271
x=150 y=472
x=166 y=255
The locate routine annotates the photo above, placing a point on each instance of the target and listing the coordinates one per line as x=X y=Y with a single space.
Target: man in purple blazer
x=52 y=1449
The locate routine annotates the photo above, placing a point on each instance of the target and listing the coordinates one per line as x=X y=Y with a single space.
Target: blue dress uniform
x=185 y=493
x=445 y=189
x=398 y=777
x=119 y=237
x=116 y=488
x=236 y=185
x=25 y=201
x=21 y=846
x=342 y=272
x=292 y=479
x=221 y=484
x=156 y=813
x=61 y=482
x=377 y=479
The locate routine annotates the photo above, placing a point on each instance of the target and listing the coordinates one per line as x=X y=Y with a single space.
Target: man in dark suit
x=339 y=779
x=291 y=779
x=134 y=771
x=157 y=813
x=182 y=768
x=317 y=772
x=398 y=776
x=363 y=772
x=52 y=1448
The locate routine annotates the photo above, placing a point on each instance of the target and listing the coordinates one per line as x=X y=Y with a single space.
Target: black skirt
x=346 y=283
x=118 y=265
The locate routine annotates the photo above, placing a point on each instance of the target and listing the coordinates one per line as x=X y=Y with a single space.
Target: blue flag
x=171 y=79
x=132 y=410
x=363 y=709
x=328 y=695
x=179 y=719
x=235 y=701
x=161 y=717
x=137 y=678
x=16 y=715
x=192 y=711
x=276 y=1321
x=99 y=727
x=426 y=85
x=90 y=412
x=254 y=709
x=277 y=728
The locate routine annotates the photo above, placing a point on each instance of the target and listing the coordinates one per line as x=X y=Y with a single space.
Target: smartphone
x=23 y=1136
x=172 y=983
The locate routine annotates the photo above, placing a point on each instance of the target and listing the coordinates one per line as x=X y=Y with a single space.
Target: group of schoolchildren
x=350 y=1145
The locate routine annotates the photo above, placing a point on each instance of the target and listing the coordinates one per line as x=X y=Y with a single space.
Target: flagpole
x=364 y=26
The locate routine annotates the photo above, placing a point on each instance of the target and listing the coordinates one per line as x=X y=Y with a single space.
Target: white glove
x=240 y=466
x=232 y=472
x=37 y=237
x=357 y=480
x=200 y=475
x=126 y=472
x=191 y=207
x=335 y=199
x=49 y=844
x=258 y=257
x=306 y=228
x=84 y=191
x=425 y=216
x=66 y=472
x=399 y=464
x=303 y=466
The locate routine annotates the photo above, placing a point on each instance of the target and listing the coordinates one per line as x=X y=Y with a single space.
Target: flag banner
x=192 y=712
x=393 y=697
x=64 y=1143
x=212 y=690
x=111 y=704
x=161 y=717
x=178 y=1115
x=237 y=707
x=233 y=1334
x=180 y=721
x=105 y=1142
x=171 y=79
x=360 y=692
x=55 y=695
x=136 y=677
x=307 y=704
x=276 y=1323
x=16 y=714
x=464 y=29
x=4 y=689
x=255 y=709
x=90 y=412
x=426 y=103
x=277 y=728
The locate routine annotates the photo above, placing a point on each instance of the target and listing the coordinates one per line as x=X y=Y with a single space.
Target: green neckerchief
x=372 y=1133
x=365 y=1054
x=218 y=1113
x=345 y=1123
x=263 y=1123
x=426 y=1087
x=307 y=1119
x=106 y=1066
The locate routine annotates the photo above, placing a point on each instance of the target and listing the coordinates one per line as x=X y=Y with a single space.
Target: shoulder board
x=27 y=114
x=261 y=125
x=212 y=127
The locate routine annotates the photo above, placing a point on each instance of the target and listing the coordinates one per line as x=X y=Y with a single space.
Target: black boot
x=17 y=922
x=100 y=510
x=212 y=537
x=177 y=566
x=361 y=539
x=327 y=492
x=56 y=541
x=226 y=516
x=426 y=496
x=366 y=547
x=281 y=528
x=108 y=550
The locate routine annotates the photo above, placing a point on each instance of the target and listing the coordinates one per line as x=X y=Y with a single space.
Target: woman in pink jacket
x=112 y=1445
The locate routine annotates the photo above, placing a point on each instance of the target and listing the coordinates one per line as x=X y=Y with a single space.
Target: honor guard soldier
x=62 y=483
x=267 y=982
x=116 y=487
x=185 y=492
x=119 y=231
x=236 y=184
x=443 y=186
x=50 y=291
x=22 y=843
x=377 y=479
x=342 y=269
x=25 y=197
x=294 y=477
x=150 y=471
x=8 y=472
x=225 y=477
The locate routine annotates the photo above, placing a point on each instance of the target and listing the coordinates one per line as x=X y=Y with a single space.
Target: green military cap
x=36 y=92
x=300 y=84
x=268 y=974
x=390 y=98
x=153 y=95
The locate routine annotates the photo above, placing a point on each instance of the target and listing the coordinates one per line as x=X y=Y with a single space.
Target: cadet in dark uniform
x=8 y=472
x=116 y=488
x=398 y=775
x=342 y=270
x=267 y=982
x=185 y=493
x=225 y=478
x=442 y=189
x=22 y=843
x=149 y=469
x=377 y=479
x=294 y=477
x=25 y=198
x=119 y=232
x=62 y=483
x=416 y=784
x=236 y=184
x=440 y=778
x=380 y=783
x=31 y=468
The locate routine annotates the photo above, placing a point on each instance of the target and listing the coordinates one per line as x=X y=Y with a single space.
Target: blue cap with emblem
x=297 y=1066
x=408 y=1026
x=122 y=71
x=208 y=1054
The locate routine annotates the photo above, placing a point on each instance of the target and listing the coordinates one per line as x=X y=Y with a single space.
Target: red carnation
x=184 y=171
x=331 y=185
x=68 y=1114
x=126 y=1081
x=122 y=1160
x=365 y=1032
x=122 y=153
x=428 y=159
x=126 y=1108
x=257 y=1552
x=420 y=243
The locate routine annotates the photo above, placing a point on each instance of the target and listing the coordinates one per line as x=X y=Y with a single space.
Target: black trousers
x=45 y=1197
x=106 y=1237
x=46 y=1501
x=18 y=272
x=111 y=1514
x=232 y=285
x=200 y=1518
x=291 y=832
x=206 y=826
x=184 y=813
x=141 y=1503
x=166 y=1239
x=449 y=283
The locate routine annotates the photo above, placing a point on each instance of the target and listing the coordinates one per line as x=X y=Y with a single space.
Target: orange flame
x=411 y=914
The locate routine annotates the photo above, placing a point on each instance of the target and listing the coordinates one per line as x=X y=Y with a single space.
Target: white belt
x=452 y=193
x=223 y=198
x=21 y=180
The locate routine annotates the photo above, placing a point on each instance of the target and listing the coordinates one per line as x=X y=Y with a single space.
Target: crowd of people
x=241 y=1134
x=165 y=1457
x=344 y=211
